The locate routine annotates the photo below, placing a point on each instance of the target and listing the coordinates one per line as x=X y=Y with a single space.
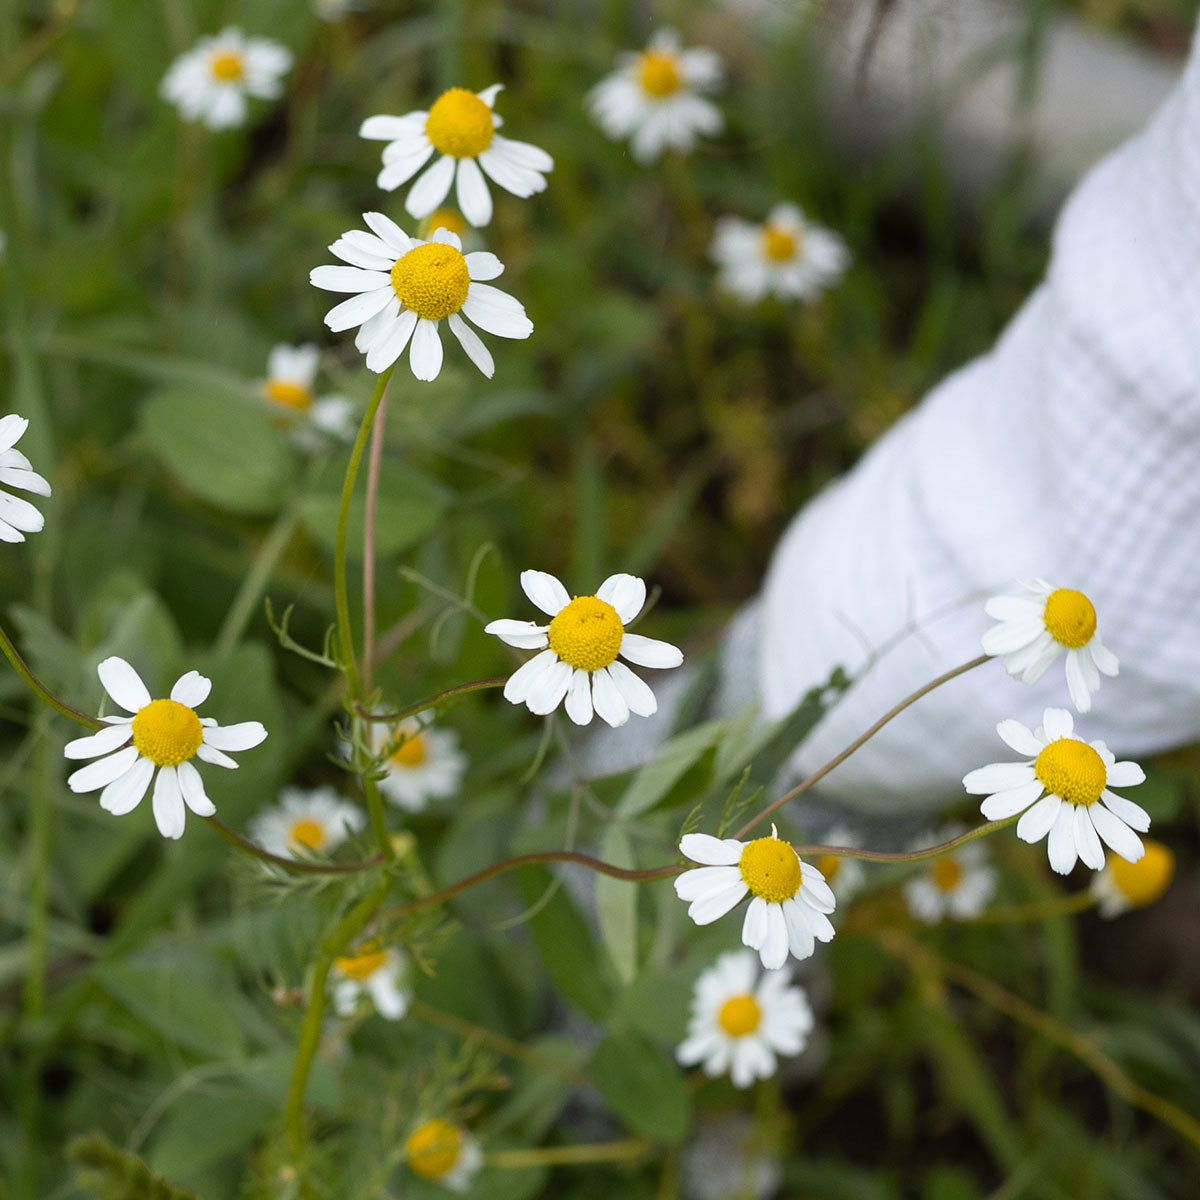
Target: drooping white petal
x=1061 y=843
x=192 y=788
x=579 y=698
x=650 y=652
x=525 y=676
x=123 y=684
x=1037 y=822
x=634 y=691
x=123 y=795
x=1104 y=659
x=1077 y=686
x=210 y=754
x=470 y=341
x=1116 y=833
x=169 y=814
x=800 y=938
x=608 y=700
x=474 y=199
x=1086 y=841
x=103 y=771
x=359 y=309
x=1011 y=635
x=706 y=909
x=431 y=187
x=1002 y=805
x=549 y=688
x=426 y=352
x=1134 y=815
x=391 y=344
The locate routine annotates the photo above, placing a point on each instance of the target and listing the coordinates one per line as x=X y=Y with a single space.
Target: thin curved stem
x=594 y=1152
x=341 y=598
x=861 y=740
x=379 y=828
x=374 y=464
x=410 y=710
x=40 y=690
x=907 y=856
x=292 y=864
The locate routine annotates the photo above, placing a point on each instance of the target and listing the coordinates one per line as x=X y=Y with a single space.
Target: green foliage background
x=148 y=991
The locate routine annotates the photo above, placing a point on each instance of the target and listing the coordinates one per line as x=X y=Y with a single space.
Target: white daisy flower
x=445 y=1153
x=158 y=742
x=579 y=664
x=405 y=287
x=845 y=876
x=653 y=97
x=319 y=820
x=740 y=1021
x=1035 y=629
x=787 y=256
x=423 y=763
x=461 y=127
x=211 y=81
x=379 y=974
x=1064 y=790
x=1123 y=885
x=18 y=517
x=958 y=884
x=791 y=898
x=288 y=387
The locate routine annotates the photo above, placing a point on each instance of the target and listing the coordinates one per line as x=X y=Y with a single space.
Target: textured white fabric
x=1070 y=452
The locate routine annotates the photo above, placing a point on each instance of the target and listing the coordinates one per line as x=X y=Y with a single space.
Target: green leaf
x=655 y=781
x=222 y=448
x=407 y=510
x=642 y=1085
x=208 y=1125
x=616 y=904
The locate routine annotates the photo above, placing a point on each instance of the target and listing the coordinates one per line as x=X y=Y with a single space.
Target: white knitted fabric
x=1070 y=452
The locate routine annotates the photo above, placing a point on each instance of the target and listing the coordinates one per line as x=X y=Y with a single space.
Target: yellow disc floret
x=771 y=869
x=411 y=751
x=445 y=218
x=1069 y=617
x=167 y=732
x=1144 y=881
x=366 y=962
x=226 y=66
x=460 y=124
x=658 y=73
x=947 y=874
x=829 y=865
x=739 y=1015
x=308 y=832
x=433 y=1148
x=287 y=394
x=1072 y=770
x=432 y=280
x=586 y=633
x=779 y=244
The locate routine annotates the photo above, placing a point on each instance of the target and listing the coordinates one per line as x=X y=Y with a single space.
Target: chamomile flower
x=741 y=1020
x=380 y=974
x=653 y=98
x=958 y=884
x=445 y=1153
x=578 y=663
x=1123 y=885
x=319 y=820
x=211 y=81
x=845 y=876
x=461 y=128
x=158 y=742
x=791 y=898
x=18 y=517
x=1035 y=629
x=1064 y=792
x=404 y=288
x=288 y=388
x=423 y=763
x=787 y=256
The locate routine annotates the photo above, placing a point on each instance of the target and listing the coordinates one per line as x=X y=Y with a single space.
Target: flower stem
x=861 y=740
x=907 y=856
x=373 y=466
x=345 y=634
x=630 y=1148
x=460 y=689
x=39 y=689
x=291 y=864
x=378 y=821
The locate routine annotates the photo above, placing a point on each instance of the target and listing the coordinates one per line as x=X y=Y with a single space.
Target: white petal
x=525 y=635
x=1086 y=841
x=12 y=429
x=1061 y=843
x=99 y=743
x=1019 y=737
x=391 y=345
x=1081 y=697
x=1002 y=805
x=385 y=128
x=609 y=702
x=482 y=264
x=650 y=652
x=626 y=593
x=169 y=812
x=693 y=884
x=241 y=736
x=522 y=154
x=1116 y=833
x=392 y=235
x=123 y=684
x=431 y=187
x=192 y=788
x=1037 y=822
x=634 y=691
x=1012 y=635
x=400 y=168
x=191 y=689
x=125 y=794
x=469 y=340
x=347 y=279
x=1134 y=815
x=997 y=777
x=754 y=924
x=103 y=771
x=474 y=199
x=517 y=689
x=210 y=754
x=1057 y=723
x=545 y=591
x=1125 y=774
x=773 y=950
x=496 y=312
x=359 y=309
x=711 y=851
x=426 y=353
x=549 y=689
x=800 y=939
x=714 y=905
x=1105 y=660
x=359 y=249
x=579 y=698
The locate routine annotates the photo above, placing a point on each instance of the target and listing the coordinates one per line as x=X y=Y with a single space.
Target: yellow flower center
x=167 y=732
x=947 y=874
x=433 y=1148
x=658 y=73
x=829 y=865
x=1144 y=881
x=1069 y=617
x=771 y=869
x=288 y=394
x=780 y=245
x=366 y=962
x=307 y=832
x=1072 y=770
x=432 y=280
x=460 y=124
x=586 y=633
x=411 y=751
x=739 y=1015
x=446 y=218
x=226 y=66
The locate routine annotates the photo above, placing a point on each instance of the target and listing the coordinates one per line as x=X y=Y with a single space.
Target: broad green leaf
x=643 y=1086
x=616 y=904
x=656 y=779
x=222 y=448
x=218 y=1119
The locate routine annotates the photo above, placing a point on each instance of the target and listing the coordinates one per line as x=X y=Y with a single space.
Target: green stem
x=40 y=835
x=379 y=828
x=254 y=583
x=861 y=740
x=410 y=710
x=291 y=864
x=40 y=690
x=345 y=634
x=631 y=1148
x=374 y=464
x=907 y=856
